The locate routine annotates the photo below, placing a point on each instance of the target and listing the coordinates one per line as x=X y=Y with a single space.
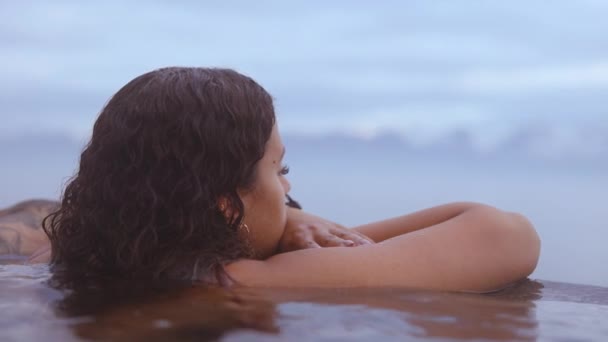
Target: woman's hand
x=304 y=230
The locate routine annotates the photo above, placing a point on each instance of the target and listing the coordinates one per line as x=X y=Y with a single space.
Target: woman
x=183 y=179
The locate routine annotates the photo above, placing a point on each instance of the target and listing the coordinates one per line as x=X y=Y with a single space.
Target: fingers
x=302 y=238
x=335 y=241
x=305 y=239
x=357 y=238
x=311 y=244
x=333 y=235
x=320 y=234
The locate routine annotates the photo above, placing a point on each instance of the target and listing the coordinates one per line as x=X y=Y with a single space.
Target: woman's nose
x=286 y=185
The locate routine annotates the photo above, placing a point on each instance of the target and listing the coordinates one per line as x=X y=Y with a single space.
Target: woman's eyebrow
x=283 y=153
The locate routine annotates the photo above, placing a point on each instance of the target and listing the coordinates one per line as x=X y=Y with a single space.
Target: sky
x=422 y=70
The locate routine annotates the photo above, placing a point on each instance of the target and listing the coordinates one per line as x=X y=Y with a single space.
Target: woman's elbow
x=529 y=242
x=515 y=238
x=510 y=248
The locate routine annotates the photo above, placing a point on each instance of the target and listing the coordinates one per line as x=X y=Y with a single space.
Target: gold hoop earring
x=244 y=226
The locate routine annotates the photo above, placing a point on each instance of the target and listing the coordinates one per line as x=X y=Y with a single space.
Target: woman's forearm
x=472 y=246
x=386 y=229
x=483 y=249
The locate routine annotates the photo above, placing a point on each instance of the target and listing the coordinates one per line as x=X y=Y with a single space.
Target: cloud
x=423 y=69
x=537 y=78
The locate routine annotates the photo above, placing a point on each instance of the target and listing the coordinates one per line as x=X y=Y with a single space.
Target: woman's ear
x=225 y=208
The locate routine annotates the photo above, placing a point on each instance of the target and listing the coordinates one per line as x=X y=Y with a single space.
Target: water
x=532 y=310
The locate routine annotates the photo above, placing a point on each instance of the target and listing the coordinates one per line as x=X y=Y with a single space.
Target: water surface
x=529 y=311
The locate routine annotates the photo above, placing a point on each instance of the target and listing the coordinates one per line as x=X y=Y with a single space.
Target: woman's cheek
x=281 y=200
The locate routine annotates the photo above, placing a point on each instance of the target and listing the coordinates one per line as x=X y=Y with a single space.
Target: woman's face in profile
x=265 y=209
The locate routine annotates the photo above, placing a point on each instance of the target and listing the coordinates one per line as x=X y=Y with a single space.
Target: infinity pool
x=531 y=310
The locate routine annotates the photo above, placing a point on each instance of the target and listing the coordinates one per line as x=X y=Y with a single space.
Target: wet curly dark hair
x=144 y=202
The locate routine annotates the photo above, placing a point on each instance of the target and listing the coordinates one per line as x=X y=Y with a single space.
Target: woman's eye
x=284 y=170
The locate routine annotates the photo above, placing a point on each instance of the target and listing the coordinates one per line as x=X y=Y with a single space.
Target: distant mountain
x=536 y=143
x=532 y=143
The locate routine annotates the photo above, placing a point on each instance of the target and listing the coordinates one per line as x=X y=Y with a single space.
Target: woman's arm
x=304 y=230
x=383 y=230
x=480 y=249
